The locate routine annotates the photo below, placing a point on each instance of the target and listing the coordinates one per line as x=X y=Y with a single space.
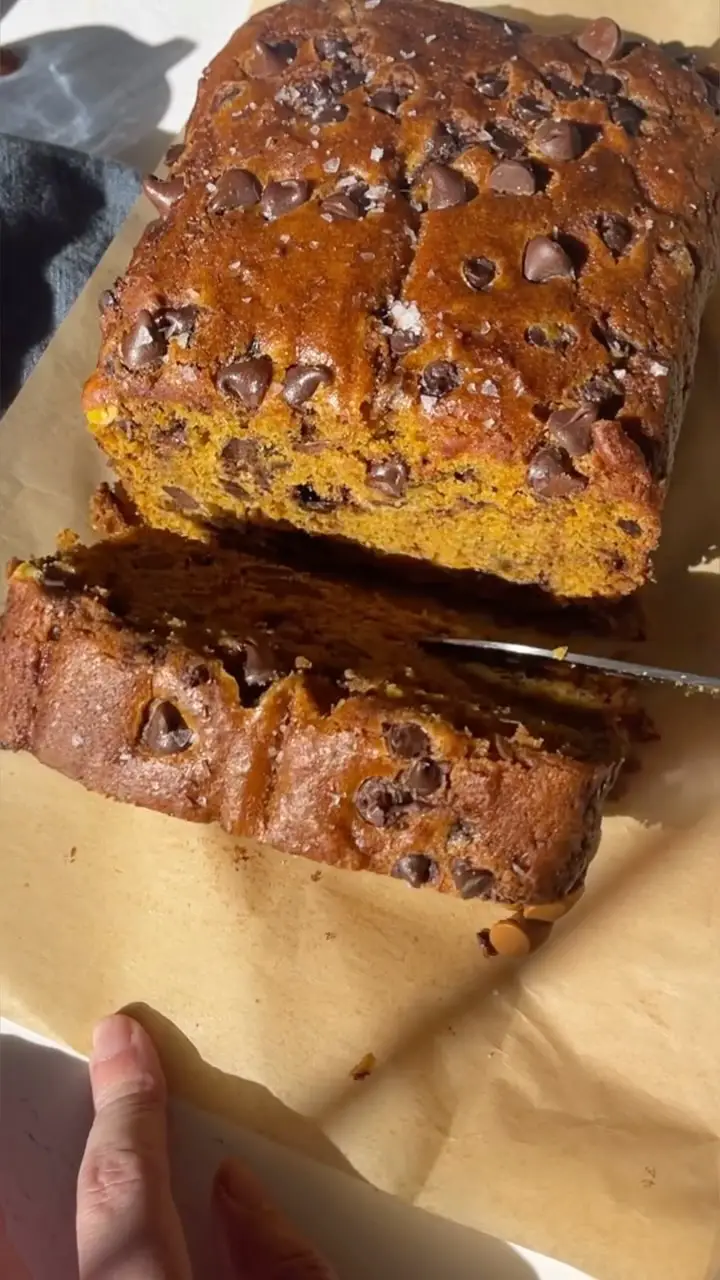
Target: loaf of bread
x=425 y=281
x=216 y=687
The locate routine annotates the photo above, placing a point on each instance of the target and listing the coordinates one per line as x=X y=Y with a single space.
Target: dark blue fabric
x=59 y=210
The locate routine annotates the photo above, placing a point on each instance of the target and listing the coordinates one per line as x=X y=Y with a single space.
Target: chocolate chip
x=491 y=85
x=177 y=322
x=180 y=498
x=346 y=77
x=165 y=731
x=512 y=178
x=439 y=378
x=235 y=189
x=270 y=60
x=546 y=260
x=244 y=455
x=172 y=437
x=601 y=84
x=163 y=193
x=443 y=144
x=385 y=100
x=329 y=47
x=559 y=140
x=315 y=98
x=260 y=662
x=601 y=40
x=416 y=868
x=478 y=273
x=551 y=476
x=340 y=207
x=557 y=337
x=423 y=778
x=379 y=801
x=279 y=198
x=606 y=394
x=235 y=490
x=504 y=142
x=303 y=380
x=615 y=233
x=55 y=577
x=389 y=476
x=407 y=740
x=445 y=187
x=572 y=428
x=530 y=110
x=620 y=347
x=403 y=340
x=173 y=153
x=144 y=345
x=630 y=527
x=628 y=115
x=470 y=881
x=310 y=500
x=563 y=88
x=247 y=380
x=461 y=832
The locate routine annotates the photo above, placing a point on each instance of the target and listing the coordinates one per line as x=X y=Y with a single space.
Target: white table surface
x=119 y=79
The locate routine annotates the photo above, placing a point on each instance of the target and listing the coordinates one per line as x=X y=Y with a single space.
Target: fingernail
x=112 y=1036
x=240 y=1186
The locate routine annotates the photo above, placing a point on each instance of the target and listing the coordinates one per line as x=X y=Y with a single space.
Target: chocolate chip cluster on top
x=425 y=280
x=304 y=712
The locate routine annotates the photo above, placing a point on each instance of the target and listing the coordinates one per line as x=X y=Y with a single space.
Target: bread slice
x=305 y=712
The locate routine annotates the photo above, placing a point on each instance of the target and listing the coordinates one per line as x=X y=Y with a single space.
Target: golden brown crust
x=436 y=777
x=624 y=155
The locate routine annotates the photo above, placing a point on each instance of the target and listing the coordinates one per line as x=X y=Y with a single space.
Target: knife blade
x=502 y=652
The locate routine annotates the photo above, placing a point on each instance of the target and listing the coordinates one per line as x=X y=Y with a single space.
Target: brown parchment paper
x=571 y=1103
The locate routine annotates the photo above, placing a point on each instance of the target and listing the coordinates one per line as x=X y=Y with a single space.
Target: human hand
x=127 y=1225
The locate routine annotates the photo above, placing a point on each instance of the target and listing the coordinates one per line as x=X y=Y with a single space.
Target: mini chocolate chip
x=163 y=193
x=165 y=731
x=491 y=86
x=260 y=662
x=602 y=85
x=445 y=187
x=407 y=740
x=559 y=140
x=385 y=100
x=601 y=40
x=530 y=110
x=416 y=868
x=439 y=378
x=235 y=189
x=478 y=273
x=470 y=881
x=177 y=322
x=513 y=178
x=557 y=337
x=247 y=380
x=173 y=153
x=389 y=476
x=550 y=476
x=423 y=778
x=403 y=340
x=572 y=428
x=242 y=454
x=504 y=142
x=628 y=115
x=340 y=207
x=630 y=527
x=144 y=345
x=280 y=198
x=615 y=233
x=303 y=380
x=235 y=490
x=310 y=500
x=563 y=88
x=379 y=801
x=180 y=498
x=546 y=260
x=270 y=60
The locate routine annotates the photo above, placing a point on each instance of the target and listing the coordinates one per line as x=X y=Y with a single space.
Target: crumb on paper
x=650 y=1176
x=71 y=856
x=561 y=652
x=316 y=875
x=330 y=937
x=365 y=1067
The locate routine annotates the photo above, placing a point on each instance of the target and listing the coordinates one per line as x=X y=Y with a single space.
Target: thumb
x=259 y=1241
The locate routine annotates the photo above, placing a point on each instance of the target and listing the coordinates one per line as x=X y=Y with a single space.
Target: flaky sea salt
x=377 y=153
x=332 y=165
x=405 y=315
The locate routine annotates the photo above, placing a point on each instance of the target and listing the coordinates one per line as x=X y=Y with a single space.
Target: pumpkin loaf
x=424 y=281
x=217 y=687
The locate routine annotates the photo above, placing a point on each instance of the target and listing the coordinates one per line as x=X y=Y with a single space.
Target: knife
x=502 y=653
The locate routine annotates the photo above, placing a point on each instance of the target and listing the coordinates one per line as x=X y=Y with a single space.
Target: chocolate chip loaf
x=426 y=281
x=217 y=687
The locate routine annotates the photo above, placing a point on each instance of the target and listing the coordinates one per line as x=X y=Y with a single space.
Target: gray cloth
x=59 y=210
